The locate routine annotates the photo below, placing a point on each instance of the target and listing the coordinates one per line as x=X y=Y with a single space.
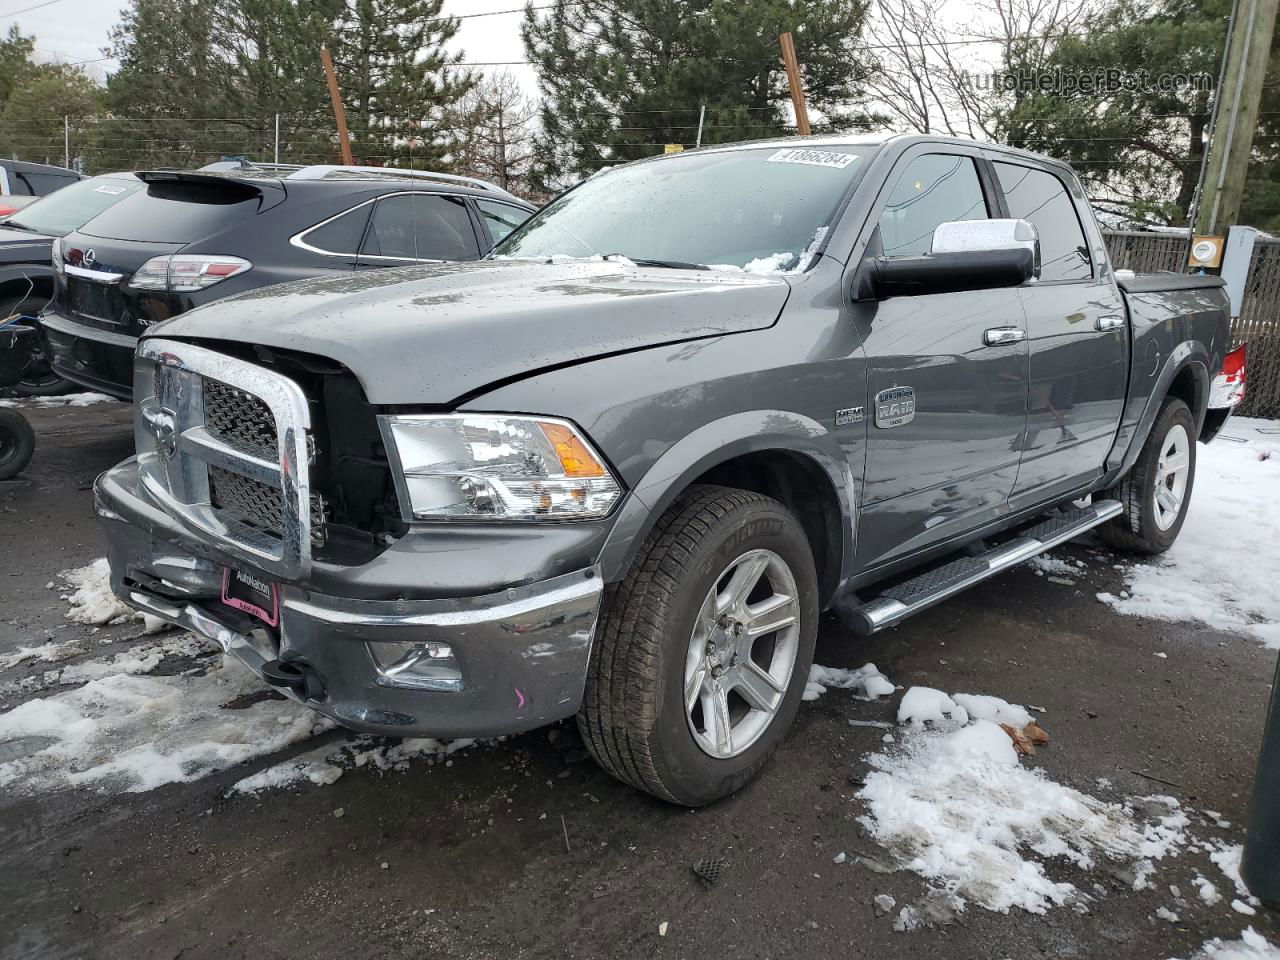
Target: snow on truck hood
x=433 y=334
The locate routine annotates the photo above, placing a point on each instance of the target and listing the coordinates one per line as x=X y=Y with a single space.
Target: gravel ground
x=524 y=848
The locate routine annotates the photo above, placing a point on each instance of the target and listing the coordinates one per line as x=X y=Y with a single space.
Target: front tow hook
x=293 y=675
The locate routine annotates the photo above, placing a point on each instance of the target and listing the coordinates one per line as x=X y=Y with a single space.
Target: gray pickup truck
x=618 y=468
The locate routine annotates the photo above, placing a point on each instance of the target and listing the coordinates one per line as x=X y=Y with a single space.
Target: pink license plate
x=251 y=594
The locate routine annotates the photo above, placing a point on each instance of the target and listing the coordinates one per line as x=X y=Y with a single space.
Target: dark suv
x=192 y=238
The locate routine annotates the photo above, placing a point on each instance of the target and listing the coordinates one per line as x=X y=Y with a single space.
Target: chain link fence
x=1258 y=323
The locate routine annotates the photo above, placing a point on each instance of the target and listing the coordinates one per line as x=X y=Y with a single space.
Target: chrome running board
x=935 y=585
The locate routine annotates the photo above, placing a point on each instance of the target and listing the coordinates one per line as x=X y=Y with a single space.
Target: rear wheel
x=38 y=379
x=1157 y=491
x=703 y=650
x=17 y=443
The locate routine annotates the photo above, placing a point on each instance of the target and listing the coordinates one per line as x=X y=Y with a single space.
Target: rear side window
x=934 y=188
x=1040 y=197
x=417 y=226
x=18 y=187
x=43 y=184
x=501 y=218
x=69 y=208
x=342 y=234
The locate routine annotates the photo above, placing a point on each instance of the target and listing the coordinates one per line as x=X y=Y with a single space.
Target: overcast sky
x=70 y=31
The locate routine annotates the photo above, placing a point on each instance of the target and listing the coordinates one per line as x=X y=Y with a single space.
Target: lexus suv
x=190 y=238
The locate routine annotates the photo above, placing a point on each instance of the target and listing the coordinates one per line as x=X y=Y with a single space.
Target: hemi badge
x=847 y=415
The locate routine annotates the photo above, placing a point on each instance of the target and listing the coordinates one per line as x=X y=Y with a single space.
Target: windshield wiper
x=672 y=264
x=14 y=224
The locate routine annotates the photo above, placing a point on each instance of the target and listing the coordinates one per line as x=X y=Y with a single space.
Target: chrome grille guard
x=176 y=449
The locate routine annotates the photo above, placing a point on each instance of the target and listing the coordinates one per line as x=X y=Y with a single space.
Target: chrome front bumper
x=521 y=654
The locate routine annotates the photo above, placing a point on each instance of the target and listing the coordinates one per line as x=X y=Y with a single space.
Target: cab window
x=933 y=189
x=1040 y=197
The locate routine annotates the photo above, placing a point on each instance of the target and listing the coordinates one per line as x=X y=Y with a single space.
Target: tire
x=634 y=719
x=17 y=443
x=38 y=379
x=1149 y=523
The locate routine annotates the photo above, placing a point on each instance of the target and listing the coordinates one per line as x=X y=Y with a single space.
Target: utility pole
x=66 y=141
x=339 y=114
x=793 y=78
x=1236 y=117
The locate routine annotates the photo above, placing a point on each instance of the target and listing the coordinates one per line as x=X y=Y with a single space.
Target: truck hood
x=431 y=335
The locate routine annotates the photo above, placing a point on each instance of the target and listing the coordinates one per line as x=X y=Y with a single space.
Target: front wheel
x=703 y=649
x=1157 y=491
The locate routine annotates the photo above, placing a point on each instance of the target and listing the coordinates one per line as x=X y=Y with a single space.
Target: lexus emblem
x=90 y=257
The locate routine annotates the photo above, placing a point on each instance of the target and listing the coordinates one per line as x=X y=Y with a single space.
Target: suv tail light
x=1228 y=386
x=186 y=271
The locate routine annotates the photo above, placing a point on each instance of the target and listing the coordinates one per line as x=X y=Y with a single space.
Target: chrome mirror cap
x=973 y=236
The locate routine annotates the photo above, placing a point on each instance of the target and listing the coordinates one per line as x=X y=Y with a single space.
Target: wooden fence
x=1259 y=322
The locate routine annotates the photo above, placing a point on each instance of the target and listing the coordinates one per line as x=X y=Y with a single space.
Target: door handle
x=1109 y=323
x=998 y=336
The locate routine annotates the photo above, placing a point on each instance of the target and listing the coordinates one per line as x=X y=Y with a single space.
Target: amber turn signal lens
x=575 y=459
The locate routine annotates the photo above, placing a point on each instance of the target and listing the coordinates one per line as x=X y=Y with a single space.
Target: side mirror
x=965 y=255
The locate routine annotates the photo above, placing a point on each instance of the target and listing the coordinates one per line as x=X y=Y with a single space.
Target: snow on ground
x=123 y=732
x=1225 y=564
x=867 y=682
x=92 y=601
x=326 y=765
x=1250 y=946
x=66 y=400
x=953 y=804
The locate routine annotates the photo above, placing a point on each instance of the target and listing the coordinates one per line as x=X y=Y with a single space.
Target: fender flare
x=22 y=273
x=712 y=444
x=1187 y=354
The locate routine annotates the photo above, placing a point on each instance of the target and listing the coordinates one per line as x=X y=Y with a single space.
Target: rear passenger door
x=1078 y=336
x=419 y=228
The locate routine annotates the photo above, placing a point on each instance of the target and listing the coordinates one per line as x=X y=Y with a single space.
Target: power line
x=14 y=13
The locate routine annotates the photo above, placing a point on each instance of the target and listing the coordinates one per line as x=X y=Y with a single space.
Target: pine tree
x=1138 y=147
x=398 y=81
x=620 y=78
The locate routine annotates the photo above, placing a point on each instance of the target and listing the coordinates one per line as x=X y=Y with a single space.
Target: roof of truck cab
x=875 y=140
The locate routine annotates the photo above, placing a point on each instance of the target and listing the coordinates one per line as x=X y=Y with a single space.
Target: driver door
x=945 y=405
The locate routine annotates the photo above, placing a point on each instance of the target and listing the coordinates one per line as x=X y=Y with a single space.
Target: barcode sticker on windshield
x=110 y=189
x=814 y=158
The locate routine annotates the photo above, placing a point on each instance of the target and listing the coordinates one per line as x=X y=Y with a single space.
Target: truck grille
x=224 y=445
x=241 y=418
x=257 y=505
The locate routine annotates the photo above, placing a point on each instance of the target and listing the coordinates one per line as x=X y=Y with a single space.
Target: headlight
x=464 y=466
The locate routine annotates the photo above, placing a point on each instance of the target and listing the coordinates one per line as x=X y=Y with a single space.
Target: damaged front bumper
x=472 y=666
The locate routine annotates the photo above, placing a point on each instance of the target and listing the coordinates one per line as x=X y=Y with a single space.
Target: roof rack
x=323 y=171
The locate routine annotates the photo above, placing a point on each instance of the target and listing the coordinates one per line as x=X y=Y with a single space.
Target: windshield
x=760 y=210
x=74 y=205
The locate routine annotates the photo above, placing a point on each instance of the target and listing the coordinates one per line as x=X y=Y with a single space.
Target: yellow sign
x=673 y=148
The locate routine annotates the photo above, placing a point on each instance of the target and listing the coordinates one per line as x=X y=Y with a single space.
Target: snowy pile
x=953 y=804
x=92 y=601
x=867 y=682
x=1223 y=568
x=66 y=400
x=122 y=732
x=1250 y=946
